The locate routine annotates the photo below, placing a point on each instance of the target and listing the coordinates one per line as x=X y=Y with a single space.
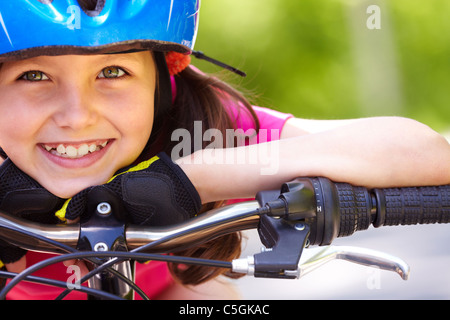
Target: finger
x=70 y=262
x=69 y=221
x=17 y=266
x=78 y=265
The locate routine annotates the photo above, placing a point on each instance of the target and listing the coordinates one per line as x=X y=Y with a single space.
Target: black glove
x=22 y=196
x=155 y=192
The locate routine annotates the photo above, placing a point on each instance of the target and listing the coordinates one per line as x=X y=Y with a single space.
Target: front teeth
x=72 y=152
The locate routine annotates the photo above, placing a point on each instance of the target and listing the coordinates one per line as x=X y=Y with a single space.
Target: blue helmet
x=51 y=27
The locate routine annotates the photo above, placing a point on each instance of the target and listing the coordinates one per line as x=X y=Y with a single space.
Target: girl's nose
x=75 y=108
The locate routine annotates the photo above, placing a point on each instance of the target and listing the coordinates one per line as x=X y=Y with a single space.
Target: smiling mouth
x=74 y=151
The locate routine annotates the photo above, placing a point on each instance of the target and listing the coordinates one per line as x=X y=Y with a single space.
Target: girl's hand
x=84 y=270
x=17 y=266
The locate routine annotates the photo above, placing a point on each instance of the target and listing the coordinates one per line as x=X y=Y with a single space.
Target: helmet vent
x=91 y=7
x=45 y=1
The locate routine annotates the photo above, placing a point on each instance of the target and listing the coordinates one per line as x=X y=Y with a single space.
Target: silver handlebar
x=214 y=223
x=11 y=228
x=207 y=226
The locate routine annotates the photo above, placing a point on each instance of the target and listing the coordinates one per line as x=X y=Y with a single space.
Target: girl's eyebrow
x=96 y=59
x=119 y=58
x=26 y=63
x=29 y=64
x=12 y=68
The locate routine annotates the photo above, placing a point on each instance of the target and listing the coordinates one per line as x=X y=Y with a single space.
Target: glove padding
x=155 y=192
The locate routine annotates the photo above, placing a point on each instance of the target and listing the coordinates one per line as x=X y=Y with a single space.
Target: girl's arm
x=372 y=152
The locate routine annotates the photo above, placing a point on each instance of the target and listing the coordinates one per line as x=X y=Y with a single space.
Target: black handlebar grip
x=408 y=206
x=343 y=209
x=355 y=208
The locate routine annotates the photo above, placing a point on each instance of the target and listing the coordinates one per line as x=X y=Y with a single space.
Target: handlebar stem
x=104 y=230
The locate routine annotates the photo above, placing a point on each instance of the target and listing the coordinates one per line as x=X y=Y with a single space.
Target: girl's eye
x=111 y=73
x=34 y=75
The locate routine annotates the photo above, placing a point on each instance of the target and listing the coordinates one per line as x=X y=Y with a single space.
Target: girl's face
x=71 y=122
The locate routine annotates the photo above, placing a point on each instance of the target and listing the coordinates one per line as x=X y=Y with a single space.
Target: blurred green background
x=319 y=59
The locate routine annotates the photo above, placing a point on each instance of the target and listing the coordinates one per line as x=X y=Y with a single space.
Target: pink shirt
x=152 y=277
x=271 y=122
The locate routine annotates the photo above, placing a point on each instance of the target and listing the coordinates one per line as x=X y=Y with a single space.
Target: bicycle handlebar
x=216 y=222
x=306 y=211
x=330 y=209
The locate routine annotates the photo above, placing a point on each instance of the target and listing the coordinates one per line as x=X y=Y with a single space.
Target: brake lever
x=316 y=257
x=283 y=242
x=284 y=255
x=313 y=258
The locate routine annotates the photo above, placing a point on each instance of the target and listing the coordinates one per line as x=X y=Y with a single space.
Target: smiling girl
x=85 y=116
x=79 y=104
